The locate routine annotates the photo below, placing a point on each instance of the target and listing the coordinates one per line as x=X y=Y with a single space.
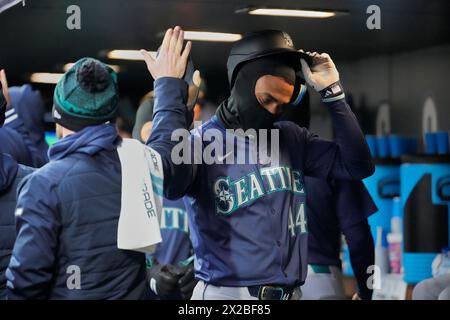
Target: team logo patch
x=224 y=198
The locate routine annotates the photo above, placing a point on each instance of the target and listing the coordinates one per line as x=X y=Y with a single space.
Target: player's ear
x=59 y=131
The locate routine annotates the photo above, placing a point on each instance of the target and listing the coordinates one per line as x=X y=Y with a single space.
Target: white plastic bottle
x=381 y=253
x=395 y=238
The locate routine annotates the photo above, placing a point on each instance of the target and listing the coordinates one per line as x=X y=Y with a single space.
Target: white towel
x=142 y=191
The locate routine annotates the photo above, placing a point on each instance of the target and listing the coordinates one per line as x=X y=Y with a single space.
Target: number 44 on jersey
x=299 y=218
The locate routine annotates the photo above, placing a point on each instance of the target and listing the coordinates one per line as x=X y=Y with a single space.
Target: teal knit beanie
x=86 y=95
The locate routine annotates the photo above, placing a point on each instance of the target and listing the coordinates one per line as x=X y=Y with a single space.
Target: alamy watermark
x=374 y=280
x=374 y=20
x=73 y=21
x=226 y=146
x=73 y=281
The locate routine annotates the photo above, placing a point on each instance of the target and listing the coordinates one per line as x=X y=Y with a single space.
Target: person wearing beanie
x=67 y=214
x=67 y=211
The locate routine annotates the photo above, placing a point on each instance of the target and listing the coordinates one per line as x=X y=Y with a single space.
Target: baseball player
x=247 y=221
x=334 y=207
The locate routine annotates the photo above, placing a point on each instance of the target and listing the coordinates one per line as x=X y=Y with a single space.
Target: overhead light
x=290 y=13
x=45 y=77
x=211 y=36
x=135 y=55
x=67 y=66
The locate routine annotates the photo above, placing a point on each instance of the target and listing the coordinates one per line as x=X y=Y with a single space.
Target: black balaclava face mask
x=242 y=109
x=299 y=114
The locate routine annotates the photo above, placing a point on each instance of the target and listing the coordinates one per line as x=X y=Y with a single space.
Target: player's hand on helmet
x=187 y=282
x=172 y=59
x=163 y=280
x=5 y=100
x=321 y=73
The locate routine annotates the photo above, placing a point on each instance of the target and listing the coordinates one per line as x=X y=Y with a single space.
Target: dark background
x=401 y=64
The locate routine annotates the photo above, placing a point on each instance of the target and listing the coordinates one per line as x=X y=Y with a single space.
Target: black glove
x=163 y=280
x=187 y=282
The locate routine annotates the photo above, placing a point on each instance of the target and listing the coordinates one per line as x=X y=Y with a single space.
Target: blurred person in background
x=22 y=135
x=11 y=174
x=30 y=108
x=334 y=207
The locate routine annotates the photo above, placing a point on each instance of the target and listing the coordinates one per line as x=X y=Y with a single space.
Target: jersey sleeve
x=347 y=157
x=170 y=114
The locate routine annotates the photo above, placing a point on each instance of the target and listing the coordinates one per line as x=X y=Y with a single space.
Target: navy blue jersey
x=247 y=221
x=176 y=245
x=333 y=208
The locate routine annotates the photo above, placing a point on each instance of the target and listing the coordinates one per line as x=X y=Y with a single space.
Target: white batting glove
x=322 y=72
x=323 y=77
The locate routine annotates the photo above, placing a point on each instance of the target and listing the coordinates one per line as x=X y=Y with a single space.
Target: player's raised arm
x=170 y=109
x=348 y=157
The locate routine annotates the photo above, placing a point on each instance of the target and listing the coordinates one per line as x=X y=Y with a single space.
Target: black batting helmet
x=262 y=44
